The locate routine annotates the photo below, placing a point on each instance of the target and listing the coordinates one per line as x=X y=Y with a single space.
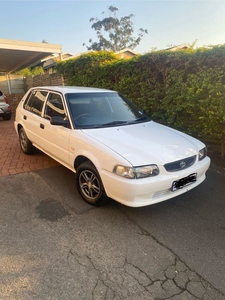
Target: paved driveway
x=12 y=160
x=54 y=246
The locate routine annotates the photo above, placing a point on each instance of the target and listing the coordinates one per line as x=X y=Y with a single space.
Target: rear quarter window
x=35 y=101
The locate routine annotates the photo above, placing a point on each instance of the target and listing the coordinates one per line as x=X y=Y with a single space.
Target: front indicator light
x=137 y=172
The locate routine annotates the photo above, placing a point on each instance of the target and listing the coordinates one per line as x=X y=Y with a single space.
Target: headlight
x=202 y=153
x=137 y=172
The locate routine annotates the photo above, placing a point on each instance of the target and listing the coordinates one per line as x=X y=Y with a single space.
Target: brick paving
x=12 y=159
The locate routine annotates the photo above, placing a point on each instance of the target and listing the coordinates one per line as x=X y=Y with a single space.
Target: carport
x=16 y=55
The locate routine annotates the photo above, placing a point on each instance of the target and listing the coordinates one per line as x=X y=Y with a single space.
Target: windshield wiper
x=119 y=122
x=113 y=123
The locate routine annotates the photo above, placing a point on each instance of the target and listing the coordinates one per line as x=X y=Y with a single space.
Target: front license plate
x=179 y=184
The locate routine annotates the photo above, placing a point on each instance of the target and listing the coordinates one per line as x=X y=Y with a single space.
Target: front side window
x=93 y=110
x=54 y=106
x=34 y=102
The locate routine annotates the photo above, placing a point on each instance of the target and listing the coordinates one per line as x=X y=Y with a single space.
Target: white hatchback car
x=115 y=150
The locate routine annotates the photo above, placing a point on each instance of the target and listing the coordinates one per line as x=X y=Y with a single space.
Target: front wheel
x=25 y=144
x=89 y=184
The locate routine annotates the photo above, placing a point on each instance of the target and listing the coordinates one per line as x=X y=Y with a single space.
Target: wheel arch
x=79 y=160
x=19 y=126
x=86 y=158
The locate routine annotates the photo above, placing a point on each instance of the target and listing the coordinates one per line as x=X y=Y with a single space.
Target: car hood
x=147 y=143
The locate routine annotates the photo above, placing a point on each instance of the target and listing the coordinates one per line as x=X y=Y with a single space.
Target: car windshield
x=97 y=110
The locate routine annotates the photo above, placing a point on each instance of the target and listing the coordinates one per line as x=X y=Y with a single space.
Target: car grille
x=180 y=164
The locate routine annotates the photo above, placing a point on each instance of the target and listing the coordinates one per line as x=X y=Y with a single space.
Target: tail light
x=6 y=100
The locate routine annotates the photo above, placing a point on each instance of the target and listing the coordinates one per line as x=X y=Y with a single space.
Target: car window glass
x=26 y=104
x=89 y=110
x=35 y=102
x=54 y=106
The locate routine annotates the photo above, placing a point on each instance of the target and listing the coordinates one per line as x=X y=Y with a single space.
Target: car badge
x=182 y=164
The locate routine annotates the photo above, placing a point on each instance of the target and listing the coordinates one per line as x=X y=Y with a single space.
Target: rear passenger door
x=32 y=115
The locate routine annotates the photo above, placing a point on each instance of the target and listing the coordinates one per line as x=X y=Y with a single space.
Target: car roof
x=72 y=89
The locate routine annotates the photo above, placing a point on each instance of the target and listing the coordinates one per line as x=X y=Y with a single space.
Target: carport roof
x=17 y=55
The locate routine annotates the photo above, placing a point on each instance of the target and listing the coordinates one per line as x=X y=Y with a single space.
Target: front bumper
x=147 y=191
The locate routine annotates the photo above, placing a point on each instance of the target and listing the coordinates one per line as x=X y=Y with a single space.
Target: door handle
x=42 y=126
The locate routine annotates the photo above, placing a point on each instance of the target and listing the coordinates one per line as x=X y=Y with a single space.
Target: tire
x=89 y=184
x=25 y=144
x=7 y=118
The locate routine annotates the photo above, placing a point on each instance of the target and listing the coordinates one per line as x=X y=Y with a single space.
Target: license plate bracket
x=179 y=184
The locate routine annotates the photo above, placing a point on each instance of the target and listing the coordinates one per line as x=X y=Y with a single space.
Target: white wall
x=12 y=84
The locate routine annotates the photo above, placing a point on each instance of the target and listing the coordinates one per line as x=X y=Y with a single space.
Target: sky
x=66 y=22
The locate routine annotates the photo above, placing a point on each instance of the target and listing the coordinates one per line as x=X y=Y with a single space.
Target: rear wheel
x=25 y=144
x=89 y=184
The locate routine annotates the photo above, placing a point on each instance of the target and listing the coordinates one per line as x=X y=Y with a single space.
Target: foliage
x=29 y=72
x=119 y=32
x=84 y=70
x=182 y=89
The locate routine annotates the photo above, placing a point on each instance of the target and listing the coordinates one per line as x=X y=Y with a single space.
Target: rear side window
x=34 y=102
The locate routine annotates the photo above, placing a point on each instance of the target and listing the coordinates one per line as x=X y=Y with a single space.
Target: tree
x=119 y=32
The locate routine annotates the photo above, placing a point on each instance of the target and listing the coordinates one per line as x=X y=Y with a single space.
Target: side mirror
x=59 y=121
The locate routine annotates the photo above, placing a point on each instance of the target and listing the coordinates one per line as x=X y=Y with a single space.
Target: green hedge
x=182 y=89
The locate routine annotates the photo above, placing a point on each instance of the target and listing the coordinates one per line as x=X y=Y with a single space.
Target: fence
x=44 y=80
x=15 y=86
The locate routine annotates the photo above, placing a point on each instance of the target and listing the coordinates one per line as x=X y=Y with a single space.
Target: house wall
x=125 y=55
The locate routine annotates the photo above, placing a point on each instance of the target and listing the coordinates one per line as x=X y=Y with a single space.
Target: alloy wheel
x=89 y=184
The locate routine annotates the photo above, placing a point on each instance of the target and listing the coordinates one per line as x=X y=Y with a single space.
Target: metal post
x=8 y=83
